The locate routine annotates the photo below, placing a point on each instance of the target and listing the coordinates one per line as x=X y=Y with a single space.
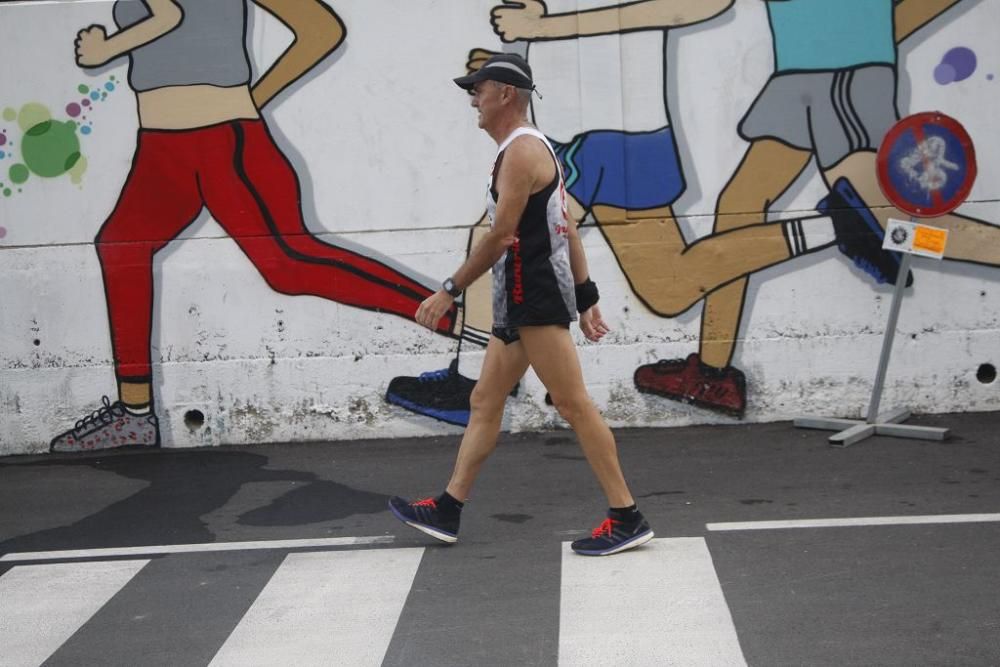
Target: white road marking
x=333 y=607
x=192 y=548
x=858 y=521
x=41 y=606
x=660 y=604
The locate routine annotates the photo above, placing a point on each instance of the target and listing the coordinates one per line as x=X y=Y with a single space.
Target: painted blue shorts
x=629 y=170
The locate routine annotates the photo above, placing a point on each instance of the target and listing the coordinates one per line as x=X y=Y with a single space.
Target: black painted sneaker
x=859 y=235
x=614 y=536
x=425 y=516
x=442 y=394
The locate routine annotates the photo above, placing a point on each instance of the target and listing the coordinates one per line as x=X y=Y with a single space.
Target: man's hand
x=592 y=324
x=92 y=47
x=518 y=20
x=433 y=309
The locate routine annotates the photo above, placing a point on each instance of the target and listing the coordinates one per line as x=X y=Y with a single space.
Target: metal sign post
x=926 y=167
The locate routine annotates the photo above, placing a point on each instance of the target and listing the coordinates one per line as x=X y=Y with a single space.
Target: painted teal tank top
x=816 y=35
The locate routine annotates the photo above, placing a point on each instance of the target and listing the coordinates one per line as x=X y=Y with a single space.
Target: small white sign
x=915 y=238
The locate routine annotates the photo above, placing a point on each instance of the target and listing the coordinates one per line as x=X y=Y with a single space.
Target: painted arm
x=317 y=31
x=94 y=47
x=529 y=19
x=912 y=15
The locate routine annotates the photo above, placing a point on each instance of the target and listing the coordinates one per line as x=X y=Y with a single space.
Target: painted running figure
x=540 y=283
x=203 y=144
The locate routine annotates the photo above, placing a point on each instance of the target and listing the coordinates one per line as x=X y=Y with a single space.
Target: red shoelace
x=604 y=529
x=426 y=502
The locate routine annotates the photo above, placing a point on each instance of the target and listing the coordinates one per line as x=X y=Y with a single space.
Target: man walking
x=540 y=282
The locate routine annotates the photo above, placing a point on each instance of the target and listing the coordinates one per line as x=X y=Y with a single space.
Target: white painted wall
x=390 y=157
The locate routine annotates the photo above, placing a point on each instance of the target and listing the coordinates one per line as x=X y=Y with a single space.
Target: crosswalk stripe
x=162 y=549
x=660 y=604
x=41 y=606
x=317 y=606
x=856 y=522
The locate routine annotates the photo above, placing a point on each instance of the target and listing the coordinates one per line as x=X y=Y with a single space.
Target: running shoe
x=614 y=536
x=425 y=516
x=859 y=235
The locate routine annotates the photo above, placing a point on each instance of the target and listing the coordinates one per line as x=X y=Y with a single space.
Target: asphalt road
x=716 y=587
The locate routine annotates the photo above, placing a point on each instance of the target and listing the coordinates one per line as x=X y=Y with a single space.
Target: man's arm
x=520 y=171
x=317 y=31
x=912 y=15
x=94 y=47
x=530 y=19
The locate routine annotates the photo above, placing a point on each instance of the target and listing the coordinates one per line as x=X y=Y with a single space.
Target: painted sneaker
x=425 y=516
x=443 y=394
x=109 y=427
x=614 y=536
x=859 y=236
x=688 y=380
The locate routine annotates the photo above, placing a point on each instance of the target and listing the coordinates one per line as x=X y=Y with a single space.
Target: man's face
x=487 y=98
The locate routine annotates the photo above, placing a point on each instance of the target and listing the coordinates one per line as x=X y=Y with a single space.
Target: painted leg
x=706 y=378
x=969 y=240
x=669 y=276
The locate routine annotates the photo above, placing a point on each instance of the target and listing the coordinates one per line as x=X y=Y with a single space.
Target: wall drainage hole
x=987 y=373
x=194 y=419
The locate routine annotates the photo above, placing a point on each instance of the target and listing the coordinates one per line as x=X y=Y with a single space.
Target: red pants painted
x=238 y=173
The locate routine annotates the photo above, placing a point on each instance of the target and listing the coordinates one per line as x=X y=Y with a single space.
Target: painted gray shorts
x=833 y=113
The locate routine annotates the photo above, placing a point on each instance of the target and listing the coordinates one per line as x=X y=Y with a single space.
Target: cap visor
x=467 y=82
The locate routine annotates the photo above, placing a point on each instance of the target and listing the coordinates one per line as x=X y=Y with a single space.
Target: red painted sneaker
x=688 y=380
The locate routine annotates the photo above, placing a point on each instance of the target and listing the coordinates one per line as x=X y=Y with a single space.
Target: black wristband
x=586 y=295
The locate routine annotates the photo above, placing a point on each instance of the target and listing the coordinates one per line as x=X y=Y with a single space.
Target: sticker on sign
x=915 y=238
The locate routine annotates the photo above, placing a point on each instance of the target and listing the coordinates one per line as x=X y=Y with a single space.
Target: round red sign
x=926 y=165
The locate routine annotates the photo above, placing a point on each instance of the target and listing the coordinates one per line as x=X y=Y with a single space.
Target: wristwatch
x=449 y=286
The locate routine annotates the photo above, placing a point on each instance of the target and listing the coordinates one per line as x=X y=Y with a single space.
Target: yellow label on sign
x=930 y=239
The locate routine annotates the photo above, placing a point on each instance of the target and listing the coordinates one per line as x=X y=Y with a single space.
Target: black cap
x=507 y=68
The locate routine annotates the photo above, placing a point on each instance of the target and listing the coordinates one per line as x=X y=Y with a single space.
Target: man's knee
x=572 y=408
x=485 y=401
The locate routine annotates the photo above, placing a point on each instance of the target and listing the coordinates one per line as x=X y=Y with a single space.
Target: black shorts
x=508 y=335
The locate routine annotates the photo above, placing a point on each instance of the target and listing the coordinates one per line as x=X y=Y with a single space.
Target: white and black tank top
x=532 y=281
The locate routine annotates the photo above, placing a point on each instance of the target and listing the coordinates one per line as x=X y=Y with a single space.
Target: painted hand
x=593 y=325
x=476 y=59
x=92 y=47
x=518 y=20
x=433 y=309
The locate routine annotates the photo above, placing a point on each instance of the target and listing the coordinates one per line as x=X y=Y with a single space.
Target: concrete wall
x=392 y=166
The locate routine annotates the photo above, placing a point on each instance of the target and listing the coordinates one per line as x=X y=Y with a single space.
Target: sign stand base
x=853 y=430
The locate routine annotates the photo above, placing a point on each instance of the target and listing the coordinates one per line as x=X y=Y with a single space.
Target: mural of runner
x=202 y=144
x=628 y=178
x=831 y=100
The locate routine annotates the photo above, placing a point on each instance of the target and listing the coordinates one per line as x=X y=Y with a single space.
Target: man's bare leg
x=502 y=368
x=552 y=353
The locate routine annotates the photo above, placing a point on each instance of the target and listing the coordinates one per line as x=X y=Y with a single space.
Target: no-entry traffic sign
x=926 y=164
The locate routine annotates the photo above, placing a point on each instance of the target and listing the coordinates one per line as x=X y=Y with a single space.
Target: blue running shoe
x=425 y=516
x=614 y=536
x=442 y=394
x=859 y=235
